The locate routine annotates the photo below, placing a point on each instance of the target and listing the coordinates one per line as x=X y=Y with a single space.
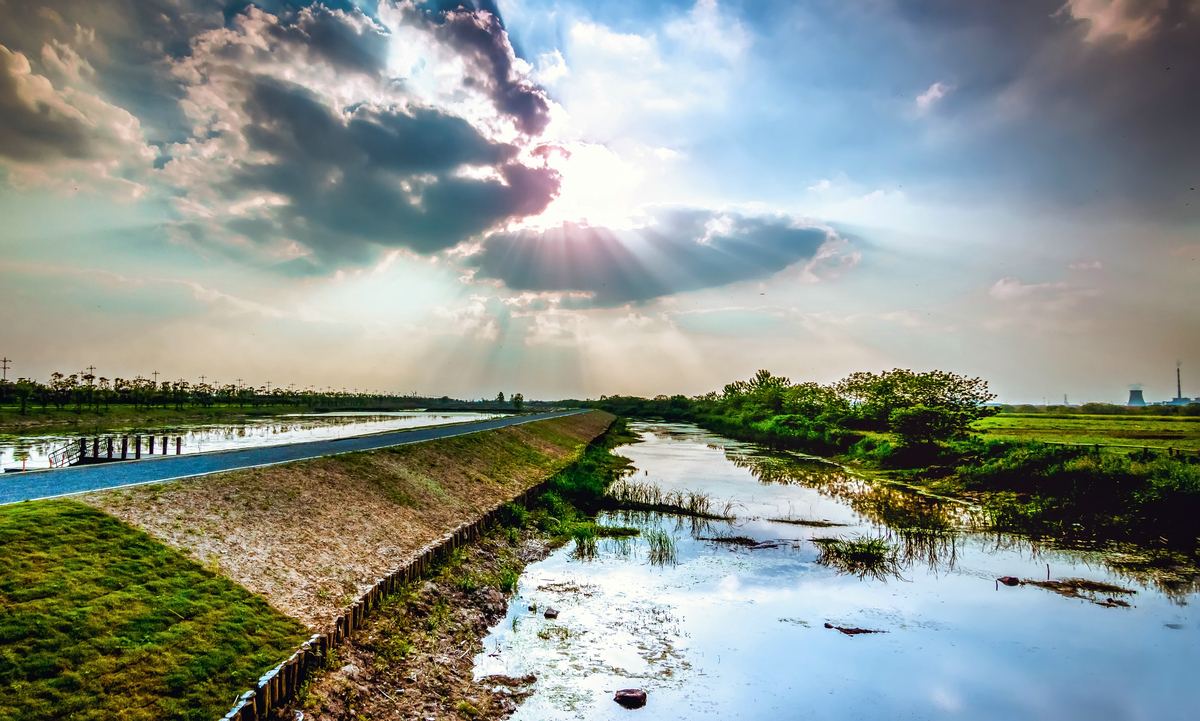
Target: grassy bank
x=414 y=658
x=312 y=536
x=100 y=621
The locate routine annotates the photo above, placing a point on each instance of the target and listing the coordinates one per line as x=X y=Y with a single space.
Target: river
x=33 y=452
x=725 y=630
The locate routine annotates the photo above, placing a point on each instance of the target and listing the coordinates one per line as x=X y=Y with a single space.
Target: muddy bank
x=414 y=658
x=314 y=535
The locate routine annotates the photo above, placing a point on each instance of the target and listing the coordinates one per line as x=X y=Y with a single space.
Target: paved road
x=32 y=485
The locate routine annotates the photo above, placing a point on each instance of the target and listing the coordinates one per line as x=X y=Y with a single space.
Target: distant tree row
x=87 y=391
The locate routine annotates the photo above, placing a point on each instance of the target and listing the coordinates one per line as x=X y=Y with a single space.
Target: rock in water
x=551 y=612
x=1009 y=580
x=630 y=697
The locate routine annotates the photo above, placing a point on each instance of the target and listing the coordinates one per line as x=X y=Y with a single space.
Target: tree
x=922 y=425
x=500 y=397
x=518 y=401
x=873 y=396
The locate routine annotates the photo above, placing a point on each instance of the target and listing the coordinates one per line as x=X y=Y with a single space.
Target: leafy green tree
x=922 y=425
x=518 y=401
x=873 y=396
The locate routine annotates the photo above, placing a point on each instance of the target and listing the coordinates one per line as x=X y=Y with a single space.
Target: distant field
x=100 y=621
x=1149 y=431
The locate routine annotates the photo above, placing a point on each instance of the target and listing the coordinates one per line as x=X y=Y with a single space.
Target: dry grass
x=313 y=535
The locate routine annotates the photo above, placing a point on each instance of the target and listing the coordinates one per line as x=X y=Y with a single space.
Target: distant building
x=1135 y=398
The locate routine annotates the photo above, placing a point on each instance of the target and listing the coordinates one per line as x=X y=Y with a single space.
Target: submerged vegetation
x=860 y=557
x=661 y=547
x=920 y=428
x=643 y=496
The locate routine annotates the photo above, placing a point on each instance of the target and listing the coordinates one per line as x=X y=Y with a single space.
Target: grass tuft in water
x=861 y=556
x=645 y=496
x=661 y=547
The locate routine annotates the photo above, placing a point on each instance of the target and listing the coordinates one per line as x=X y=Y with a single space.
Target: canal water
x=33 y=452
x=730 y=631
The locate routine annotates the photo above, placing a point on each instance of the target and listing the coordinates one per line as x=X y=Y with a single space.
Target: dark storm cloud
x=1094 y=102
x=685 y=250
x=477 y=32
x=378 y=176
x=32 y=129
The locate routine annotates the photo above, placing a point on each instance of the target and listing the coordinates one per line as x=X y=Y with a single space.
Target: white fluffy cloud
x=65 y=135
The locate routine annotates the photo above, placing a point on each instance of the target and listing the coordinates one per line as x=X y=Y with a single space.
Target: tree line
x=88 y=391
x=917 y=407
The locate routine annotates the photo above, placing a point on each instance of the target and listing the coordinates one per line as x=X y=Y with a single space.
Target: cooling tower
x=1135 y=398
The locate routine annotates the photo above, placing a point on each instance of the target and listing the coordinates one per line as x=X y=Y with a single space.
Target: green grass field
x=1182 y=432
x=100 y=621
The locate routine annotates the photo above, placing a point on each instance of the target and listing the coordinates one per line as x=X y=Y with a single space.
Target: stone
x=1009 y=580
x=551 y=612
x=630 y=697
x=350 y=671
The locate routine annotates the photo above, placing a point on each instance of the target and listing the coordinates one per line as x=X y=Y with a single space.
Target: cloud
x=1125 y=20
x=934 y=93
x=652 y=86
x=477 y=33
x=682 y=250
x=1014 y=289
x=52 y=135
x=322 y=167
x=1081 y=121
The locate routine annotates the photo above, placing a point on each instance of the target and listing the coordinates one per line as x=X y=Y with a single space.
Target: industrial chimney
x=1135 y=397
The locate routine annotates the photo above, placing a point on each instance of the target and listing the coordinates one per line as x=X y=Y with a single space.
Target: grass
x=1181 y=432
x=661 y=547
x=643 y=496
x=861 y=556
x=100 y=621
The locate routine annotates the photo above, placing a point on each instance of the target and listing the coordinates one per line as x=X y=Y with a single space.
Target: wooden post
x=137 y=447
x=164 y=451
x=178 y=444
x=82 y=448
x=124 y=447
x=96 y=447
x=150 y=448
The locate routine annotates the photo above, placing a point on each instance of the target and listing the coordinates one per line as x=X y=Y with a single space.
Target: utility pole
x=202 y=379
x=4 y=365
x=268 y=387
x=155 y=374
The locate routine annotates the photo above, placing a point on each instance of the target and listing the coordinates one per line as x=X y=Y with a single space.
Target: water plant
x=661 y=547
x=861 y=556
x=647 y=496
x=585 y=542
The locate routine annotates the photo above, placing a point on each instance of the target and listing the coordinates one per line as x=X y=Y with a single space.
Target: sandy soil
x=314 y=535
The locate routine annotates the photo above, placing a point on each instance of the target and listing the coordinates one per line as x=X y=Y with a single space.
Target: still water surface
x=34 y=451
x=733 y=632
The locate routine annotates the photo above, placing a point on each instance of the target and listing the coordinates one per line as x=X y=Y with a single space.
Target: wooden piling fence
x=277 y=687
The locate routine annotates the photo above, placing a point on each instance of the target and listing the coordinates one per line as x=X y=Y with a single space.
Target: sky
x=569 y=199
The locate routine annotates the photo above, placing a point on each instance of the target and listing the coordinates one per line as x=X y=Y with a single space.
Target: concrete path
x=32 y=485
